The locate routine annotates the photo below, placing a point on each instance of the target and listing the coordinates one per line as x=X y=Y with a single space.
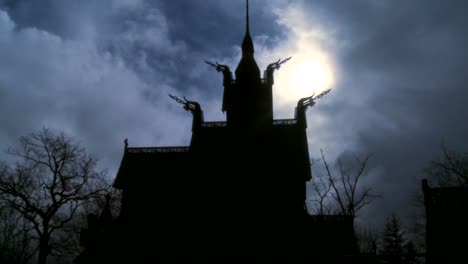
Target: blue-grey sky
x=101 y=71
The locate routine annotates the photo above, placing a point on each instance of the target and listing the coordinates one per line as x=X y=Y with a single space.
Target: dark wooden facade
x=237 y=192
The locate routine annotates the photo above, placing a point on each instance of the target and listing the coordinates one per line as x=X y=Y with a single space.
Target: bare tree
x=52 y=179
x=15 y=242
x=448 y=170
x=367 y=239
x=322 y=188
x=341 y=192
x=451 y=169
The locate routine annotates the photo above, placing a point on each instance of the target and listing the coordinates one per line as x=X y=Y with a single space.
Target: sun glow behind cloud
x=308 y=72
x=311 y=68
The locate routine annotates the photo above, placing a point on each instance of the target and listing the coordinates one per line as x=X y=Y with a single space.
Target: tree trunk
x=43 y=248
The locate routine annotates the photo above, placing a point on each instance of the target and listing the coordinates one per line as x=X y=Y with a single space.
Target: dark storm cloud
x=215 y=26
x=66 y=80
x=402 y=89
x=101 y=70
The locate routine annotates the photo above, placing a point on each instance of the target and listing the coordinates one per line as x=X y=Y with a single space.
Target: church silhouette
x=237 y=192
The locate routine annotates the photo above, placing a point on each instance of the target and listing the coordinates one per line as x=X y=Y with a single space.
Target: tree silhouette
x=15 y=242
x=322 y=196
x=341 y=192
x=367 y=239
x=52 y=179
x=449 y=170
x=395 y=247
x=393 y=240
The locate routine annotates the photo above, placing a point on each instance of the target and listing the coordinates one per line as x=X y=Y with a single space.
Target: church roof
x=136 y=161
x=250 y=128
x=212 y=137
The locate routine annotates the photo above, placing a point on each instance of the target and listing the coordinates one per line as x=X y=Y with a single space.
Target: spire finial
x=247 y=44
x=247 y=17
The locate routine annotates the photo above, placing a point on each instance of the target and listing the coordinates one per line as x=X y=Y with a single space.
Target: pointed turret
x=247 y=99
x=247 y=70
x=247 y=44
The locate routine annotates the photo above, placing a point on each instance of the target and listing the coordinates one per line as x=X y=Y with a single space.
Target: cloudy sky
x=101 y=72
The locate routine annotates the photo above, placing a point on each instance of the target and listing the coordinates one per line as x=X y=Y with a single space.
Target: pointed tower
x=249 y=104
x=247 y=70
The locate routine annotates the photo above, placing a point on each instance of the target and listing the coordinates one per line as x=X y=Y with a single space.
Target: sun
x=306 y=73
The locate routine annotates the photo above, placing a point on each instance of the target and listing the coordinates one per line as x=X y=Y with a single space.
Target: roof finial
x=247 y=17
x=247 y=44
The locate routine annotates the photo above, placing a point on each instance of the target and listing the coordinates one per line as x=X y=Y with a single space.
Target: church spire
x=247 y=94
x=247 y=44
x=247 y=24
x=247 y=70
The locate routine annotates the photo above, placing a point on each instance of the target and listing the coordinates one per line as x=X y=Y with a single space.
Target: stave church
x=236 y=193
